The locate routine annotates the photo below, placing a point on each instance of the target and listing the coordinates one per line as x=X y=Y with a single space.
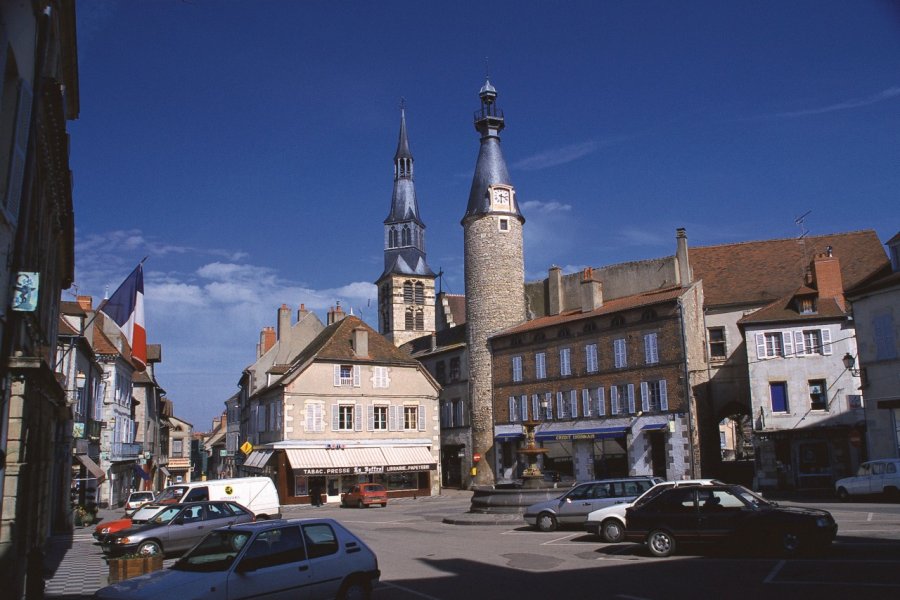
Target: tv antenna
x=800 y=221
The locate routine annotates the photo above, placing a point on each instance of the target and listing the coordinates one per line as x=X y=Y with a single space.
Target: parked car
x=726 y=513
x=573 y=507
x=258 y=494
x=175 y=528
x=364 y=495
x=137 y=500
x=140 y=517
x=875 y=477
x=298 y=558
x=609 y=522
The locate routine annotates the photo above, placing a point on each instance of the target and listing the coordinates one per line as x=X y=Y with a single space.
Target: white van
x=256 y=493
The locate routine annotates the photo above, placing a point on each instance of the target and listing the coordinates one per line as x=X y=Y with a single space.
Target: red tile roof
x=785 y=310
x=763 y=271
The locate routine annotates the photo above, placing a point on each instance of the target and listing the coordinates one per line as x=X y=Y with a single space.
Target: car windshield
x=215 y=553
x=169 y=494
x=750 y=498
x=166 y=515
x=145 y=512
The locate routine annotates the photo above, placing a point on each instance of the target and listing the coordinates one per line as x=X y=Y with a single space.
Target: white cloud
x=545 y=207
x=888 y=94
x=556 y=156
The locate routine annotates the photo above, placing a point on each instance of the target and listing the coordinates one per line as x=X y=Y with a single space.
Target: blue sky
x=246 y=146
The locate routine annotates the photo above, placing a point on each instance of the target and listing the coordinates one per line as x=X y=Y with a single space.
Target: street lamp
x=849 y=361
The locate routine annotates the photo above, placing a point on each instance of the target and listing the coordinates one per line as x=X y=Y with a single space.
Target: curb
x=503 y=520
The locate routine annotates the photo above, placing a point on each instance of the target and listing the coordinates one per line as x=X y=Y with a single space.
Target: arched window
x=393 y=238
x=589 y=327
x=407 y=292
x=618 y=321
x=538 y=337
x=409 y=319
x=420 y=320
x=406 y=236
x=420 y=293
x=563 y=332
x=648 y=315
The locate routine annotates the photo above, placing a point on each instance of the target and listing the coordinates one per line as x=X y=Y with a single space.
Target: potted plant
x=132 y=565
x=85 y=514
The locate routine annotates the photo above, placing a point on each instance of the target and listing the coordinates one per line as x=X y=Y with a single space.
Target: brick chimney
x=302 y=312
x=284 y=320
x=266 y=340
x=682 y=260
x=591 y=291
x=335 y=314
x=826 y=273
x=554 y=284
x=361 y=342
x=85 y=302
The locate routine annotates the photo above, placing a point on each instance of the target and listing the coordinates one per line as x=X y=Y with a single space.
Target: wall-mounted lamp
x=80 y=379
x=849 y=362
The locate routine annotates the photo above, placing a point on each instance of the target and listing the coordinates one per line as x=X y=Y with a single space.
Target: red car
x=365 y=494
x=140 y=517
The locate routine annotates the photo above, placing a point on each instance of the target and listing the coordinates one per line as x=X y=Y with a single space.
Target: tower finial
x=487 y=68
x=402 y=103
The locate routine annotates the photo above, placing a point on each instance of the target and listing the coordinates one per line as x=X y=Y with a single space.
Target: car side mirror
x=569 y=500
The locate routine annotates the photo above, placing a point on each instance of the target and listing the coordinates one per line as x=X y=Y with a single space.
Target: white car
x=874 y=478
x=137 y=500
x=299 y=558
x=609 y=522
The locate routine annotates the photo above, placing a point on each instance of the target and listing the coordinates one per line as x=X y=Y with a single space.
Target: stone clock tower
x=406 y=287
x=494 y=271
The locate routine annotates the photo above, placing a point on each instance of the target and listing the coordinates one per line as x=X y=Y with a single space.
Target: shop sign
x=399 y=468
x=574 y=436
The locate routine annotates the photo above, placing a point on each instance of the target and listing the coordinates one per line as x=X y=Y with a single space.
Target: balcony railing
x=125 y=450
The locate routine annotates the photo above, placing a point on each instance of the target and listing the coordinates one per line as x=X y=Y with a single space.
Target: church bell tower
x=406 y=287
x=494 y=272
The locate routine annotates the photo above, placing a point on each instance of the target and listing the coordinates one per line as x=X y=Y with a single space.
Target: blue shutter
x=645 y=397
x=586 y=402
x=549 y=398
x=614 y=399
x=560 y=413
x=573 y=403
x=513 y=410
x=601 y=402
x=19 y=152
x=663 y=395
x=631 y=398
x=536 y=407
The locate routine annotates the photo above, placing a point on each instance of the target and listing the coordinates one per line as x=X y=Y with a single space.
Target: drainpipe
x=687 y=390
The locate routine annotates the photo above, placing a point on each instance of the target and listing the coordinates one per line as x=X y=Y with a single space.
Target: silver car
x=298 y=558
x=175 y=528
x=573 y=507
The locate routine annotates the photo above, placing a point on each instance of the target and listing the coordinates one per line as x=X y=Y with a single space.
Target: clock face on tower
x=501 y=198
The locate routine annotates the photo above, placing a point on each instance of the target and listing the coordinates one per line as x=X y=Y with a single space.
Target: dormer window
x=806 y=306
x=618 y=321
x=563 y=332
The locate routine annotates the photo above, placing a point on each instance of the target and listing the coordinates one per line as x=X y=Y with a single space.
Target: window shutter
x=513 y=409
x=760 y=345
x=334 y=417
x=536 y=407
x=601 y=402
x=651 y=351
x=19 y=151
x=788 y=343
x=337 y=375
x=523 y=406
x=631 y=398
x=356 y=370
x=560 y=413
x=573 y=403
x=392 y=417
x=549 y=398
x=586 y=402
x=357 y=417
x=798 y=343
x=645 y=397
x=370 y=417
x=826 y=342
x=614 y=399
x=663 y=396
x=420 y=413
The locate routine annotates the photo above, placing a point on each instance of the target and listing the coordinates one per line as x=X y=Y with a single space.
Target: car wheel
x=612 y=531
x=546 y=522
x=892 y=493
x=843 y=496
x=384 y=505
x=355 y=589
x=360 y=504
x=661 y=543
x=149 y=548
x=790 y=542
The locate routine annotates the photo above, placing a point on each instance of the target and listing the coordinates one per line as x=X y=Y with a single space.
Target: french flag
x=126 y=308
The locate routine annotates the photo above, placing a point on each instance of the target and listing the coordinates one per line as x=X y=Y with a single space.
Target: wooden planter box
x=126 y=568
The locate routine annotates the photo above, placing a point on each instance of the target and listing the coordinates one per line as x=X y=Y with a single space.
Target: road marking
x=774 y=572
x=870 y=516
x=566 y=537
x=406 y=589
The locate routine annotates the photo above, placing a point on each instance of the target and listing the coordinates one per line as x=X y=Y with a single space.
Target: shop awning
x=508 y=436
x=165 y=471
x=582 y=434
x=654 y=426
x=411 y=458
x=92 y=467
x=258 y=459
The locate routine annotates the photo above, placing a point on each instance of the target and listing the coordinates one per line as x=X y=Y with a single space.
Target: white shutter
x=16 y=173
x=620 y=353
x=645 y=397
x=513 y=410
x=310 y=418
x=356 y=376
x=560 y=413
x=392 y=417
x=540 y=365
x=614 y=399
x=788 y=343
x=357 y=417
x=826 y=342
x=601 y=402
x=420 y=413
x=523 y=405
x=663 y=395
x=760 y=345
x=549 y=397
x=337 y=375
x=536 y=407
x=334 y=417
x=651 y=351
x=799 y=350
x=370 y=417
x=586 y=402
x=573 y=403
x=631 y=398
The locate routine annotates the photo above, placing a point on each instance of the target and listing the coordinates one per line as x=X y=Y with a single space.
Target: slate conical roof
x=404 y=206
